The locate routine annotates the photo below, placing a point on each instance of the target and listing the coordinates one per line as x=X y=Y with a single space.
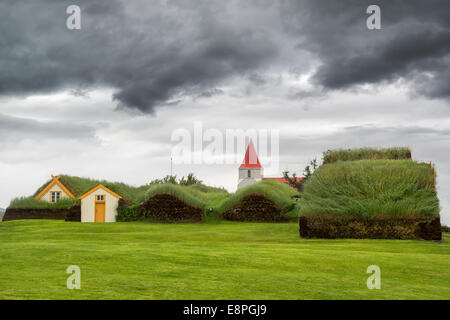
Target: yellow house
x=54 y=191
x=99 y=205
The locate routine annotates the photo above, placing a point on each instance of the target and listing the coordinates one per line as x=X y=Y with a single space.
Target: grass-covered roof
x=369 y=188
x=280 y=193
x=397 y=153
x=197 y=194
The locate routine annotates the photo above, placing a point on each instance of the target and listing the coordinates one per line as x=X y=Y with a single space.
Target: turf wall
x=70 y=214
x=256 y=208
x=168 y=208
x=331 y=227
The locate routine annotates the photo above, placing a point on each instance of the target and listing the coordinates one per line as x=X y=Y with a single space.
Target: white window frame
x=55 y=196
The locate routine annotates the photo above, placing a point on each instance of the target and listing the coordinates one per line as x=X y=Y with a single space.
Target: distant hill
x=2 y=210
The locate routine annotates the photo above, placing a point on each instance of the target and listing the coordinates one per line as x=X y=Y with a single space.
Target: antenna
x=171 y=166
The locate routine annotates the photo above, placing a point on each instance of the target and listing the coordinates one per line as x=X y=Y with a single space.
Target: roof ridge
x=55 y=180
x=251 y=160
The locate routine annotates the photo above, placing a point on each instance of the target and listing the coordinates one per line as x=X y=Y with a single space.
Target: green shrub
x=332 y=156
x=206 y=198
x=128 y=213
x=445 y=229
x=371 y=188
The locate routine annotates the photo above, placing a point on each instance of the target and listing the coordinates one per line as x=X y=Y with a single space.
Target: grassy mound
x=391 y=199
x=332 y=156
x=372 y=188
x=187 y=195
x=172 y=203
x=268 y=200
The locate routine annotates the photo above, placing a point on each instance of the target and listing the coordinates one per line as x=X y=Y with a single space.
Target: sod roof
x=369 y=188
x=398 y=153
x=191 y=197
x=280 y=193
x=195 y=195
x=79 y=186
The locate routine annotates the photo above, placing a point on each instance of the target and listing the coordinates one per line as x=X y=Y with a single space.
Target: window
x=249 y=174
x=55 y=196
x=101 y=198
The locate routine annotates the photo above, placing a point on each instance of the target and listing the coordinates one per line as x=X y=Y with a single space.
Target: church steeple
x=250 y=171
x=251 y=158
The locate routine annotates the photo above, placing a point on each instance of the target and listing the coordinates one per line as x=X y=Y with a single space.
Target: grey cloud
x=414 y=43
x=14 y=129
x=211 y=93
x=426 y=142
x=150 y=56
x=157 y=53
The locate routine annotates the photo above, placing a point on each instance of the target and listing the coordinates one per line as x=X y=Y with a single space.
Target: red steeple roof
x=251 y=160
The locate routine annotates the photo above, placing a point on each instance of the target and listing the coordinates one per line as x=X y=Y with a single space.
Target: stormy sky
x=103 y=101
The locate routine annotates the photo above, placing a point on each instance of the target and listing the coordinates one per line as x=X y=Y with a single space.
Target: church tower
x=250 y=171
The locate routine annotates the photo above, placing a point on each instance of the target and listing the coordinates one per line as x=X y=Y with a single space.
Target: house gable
x=54 y=186
x=100 y=186
x=99 y=196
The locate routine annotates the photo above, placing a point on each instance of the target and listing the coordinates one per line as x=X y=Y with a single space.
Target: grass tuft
x=399 y=153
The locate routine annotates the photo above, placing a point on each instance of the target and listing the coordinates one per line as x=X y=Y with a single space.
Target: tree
x=293 y=182
x=307 y=173
x=188 y=181
x=166 y=179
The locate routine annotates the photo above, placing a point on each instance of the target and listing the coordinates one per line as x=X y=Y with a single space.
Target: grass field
x=223 y=260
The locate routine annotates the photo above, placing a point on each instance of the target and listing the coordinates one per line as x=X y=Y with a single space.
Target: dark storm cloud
x=156 y=53
x=414 y=43
x=151 y=53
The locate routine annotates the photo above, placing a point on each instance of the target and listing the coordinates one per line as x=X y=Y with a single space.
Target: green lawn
x=211 y=261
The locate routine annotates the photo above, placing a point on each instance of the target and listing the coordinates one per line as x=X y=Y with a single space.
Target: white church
x=251 y=171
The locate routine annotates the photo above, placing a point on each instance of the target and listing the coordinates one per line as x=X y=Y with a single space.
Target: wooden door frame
x=100 y=202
